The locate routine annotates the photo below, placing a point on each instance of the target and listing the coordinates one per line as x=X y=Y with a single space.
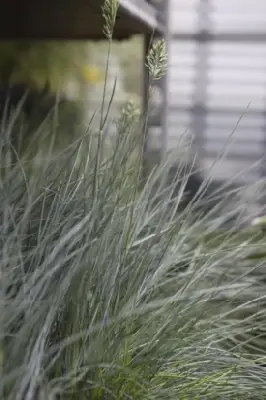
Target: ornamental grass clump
x=105 y=294
x=110 y=291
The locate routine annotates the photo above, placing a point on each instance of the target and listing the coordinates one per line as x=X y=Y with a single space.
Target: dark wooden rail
x=74 y=19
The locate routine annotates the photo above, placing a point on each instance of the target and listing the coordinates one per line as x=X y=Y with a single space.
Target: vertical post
x=165 y=81
x=262 y=198
x=145 y=108
x=199 y=110
x=146 y=45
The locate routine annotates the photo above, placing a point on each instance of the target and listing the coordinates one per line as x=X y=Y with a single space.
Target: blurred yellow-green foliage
x=38 y=64
x=92 y=74
x=54 y=63
x=132 y=61
x=131 y=57
x=76 y=69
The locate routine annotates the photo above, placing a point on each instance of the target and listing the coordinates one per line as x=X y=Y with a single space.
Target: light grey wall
x=217 y=73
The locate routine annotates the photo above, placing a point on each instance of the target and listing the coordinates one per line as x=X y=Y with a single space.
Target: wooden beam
x=72 y=19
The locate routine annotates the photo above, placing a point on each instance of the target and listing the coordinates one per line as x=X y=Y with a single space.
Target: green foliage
x=45 y=68
x=131 y=56
x=38 y=64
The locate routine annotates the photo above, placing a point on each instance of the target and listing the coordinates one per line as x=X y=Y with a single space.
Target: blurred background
x=214 y=93
x=217 y=86
x=75 y=69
